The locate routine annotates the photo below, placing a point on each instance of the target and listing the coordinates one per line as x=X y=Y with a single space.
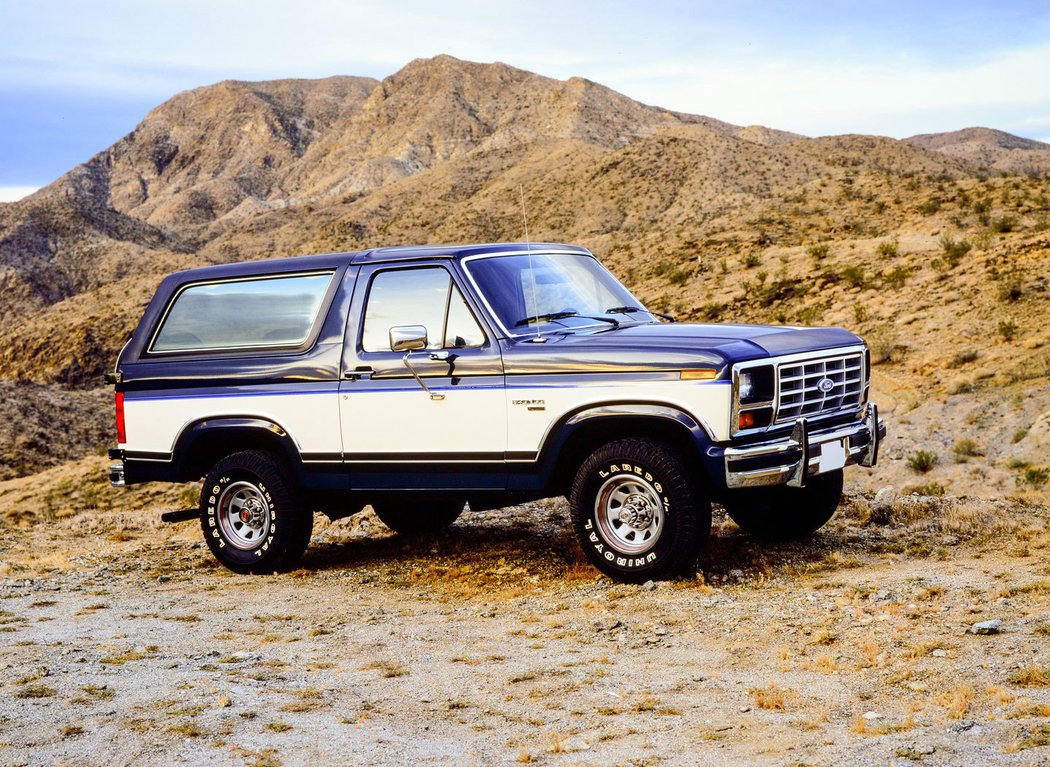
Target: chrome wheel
x=244 y=515
x=630 y=513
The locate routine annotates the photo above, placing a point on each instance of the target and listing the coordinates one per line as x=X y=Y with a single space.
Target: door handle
x=360 y=373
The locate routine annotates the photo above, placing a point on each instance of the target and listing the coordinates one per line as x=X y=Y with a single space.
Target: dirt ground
x=122 y=642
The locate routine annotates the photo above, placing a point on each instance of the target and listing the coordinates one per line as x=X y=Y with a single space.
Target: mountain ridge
x=933 y=248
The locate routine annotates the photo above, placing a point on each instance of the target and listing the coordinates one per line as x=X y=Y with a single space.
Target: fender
x=561 y=431
x=231 y=426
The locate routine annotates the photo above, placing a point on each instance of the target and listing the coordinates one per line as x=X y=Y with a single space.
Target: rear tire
x=252 y=519
x=636 y=513
x=417 y=514
x=786 y=513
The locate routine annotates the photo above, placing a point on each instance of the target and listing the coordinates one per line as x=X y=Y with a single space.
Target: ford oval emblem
x=825 y=385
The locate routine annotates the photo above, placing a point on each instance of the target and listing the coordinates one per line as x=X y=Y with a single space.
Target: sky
x=77 y=76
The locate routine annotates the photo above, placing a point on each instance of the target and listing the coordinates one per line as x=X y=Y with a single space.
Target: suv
x=420 y=379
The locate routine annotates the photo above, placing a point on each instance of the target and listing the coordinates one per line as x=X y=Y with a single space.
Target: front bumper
x=805 y=453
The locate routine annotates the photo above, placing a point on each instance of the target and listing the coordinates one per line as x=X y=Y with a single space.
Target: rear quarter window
x=242 y=314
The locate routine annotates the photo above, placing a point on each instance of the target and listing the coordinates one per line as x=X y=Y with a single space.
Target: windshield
x=557 y=291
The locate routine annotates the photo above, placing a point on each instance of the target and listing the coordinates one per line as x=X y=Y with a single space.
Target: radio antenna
x=528 y=248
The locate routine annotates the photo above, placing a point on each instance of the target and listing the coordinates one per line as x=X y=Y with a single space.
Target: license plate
x=832 y=456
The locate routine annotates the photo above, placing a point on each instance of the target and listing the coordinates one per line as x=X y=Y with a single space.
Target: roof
x=408 y=252
x=326 y=261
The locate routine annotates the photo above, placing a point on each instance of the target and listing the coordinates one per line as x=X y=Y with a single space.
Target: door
x=397 y=435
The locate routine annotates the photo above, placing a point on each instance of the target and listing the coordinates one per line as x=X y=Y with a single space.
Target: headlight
x=746 y=385
x=755 y=384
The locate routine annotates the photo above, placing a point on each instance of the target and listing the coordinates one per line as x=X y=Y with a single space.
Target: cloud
x=898 y=97
x=15 y=193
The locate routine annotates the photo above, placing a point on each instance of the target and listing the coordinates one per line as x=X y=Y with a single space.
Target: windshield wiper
x=633 y=309
x=561 y=316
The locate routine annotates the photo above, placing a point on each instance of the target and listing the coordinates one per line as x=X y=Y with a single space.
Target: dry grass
x=387 y=669
x=957 y=700
x=1032 y=676
x=775 y=698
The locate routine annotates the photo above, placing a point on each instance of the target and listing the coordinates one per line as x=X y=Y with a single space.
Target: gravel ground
x=498 y=644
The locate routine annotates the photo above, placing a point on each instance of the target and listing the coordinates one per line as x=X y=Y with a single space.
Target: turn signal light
x=701 y=374
x=747 y=420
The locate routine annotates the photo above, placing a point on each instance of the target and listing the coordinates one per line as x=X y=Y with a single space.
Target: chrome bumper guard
x=116 y=475
x=791 y=460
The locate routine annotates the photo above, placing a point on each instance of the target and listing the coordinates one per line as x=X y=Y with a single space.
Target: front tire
x=786 y=513
x=636 y=513
x=252 y=519
x=417 y=514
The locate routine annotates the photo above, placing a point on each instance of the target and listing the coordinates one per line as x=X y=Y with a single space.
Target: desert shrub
x=888 y=248
x=933 y=489
x=964 y=448
x=922 y=461
x=962 y=358
x=882 y=342
x=1005 y=224
x=1011 y=286
x=818 y=251
x=897 y=276
x=954 y=250
x=1033 y=476
x=930 y=206
x=751 y=260
x=1007 y=329
x=853 y=276
x=1019 y=435
x=672 y=272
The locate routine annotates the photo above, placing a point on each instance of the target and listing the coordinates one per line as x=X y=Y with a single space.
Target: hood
x=667 y=346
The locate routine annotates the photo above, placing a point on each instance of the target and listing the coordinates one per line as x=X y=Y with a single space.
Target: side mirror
x=408 y=338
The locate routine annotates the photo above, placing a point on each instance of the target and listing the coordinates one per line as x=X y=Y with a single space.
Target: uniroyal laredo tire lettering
x=610 y=556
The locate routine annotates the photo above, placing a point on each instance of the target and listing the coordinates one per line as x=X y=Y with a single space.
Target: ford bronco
x=422 y=379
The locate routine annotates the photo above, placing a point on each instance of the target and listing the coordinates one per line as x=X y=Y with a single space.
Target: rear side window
x=273 y=311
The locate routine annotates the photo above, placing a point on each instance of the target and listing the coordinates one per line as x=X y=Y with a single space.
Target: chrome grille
x=801 y=393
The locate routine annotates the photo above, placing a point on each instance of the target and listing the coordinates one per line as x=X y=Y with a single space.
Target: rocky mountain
x=934 y=247
x=988 y=148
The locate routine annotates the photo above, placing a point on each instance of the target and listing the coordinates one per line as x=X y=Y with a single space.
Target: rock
x=649 y=586
x=939 y=653
x=881 y=596
x=884 y=499
x=962 y=726
x=745 y=709
x=244 y=657
x=224 y=701
x=871 y=716
x=736 y=574
x=987 y=627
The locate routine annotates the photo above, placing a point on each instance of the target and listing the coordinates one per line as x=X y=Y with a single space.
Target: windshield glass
x=557 y=291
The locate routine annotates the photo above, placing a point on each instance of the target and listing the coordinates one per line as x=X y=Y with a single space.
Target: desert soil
x=124 y=643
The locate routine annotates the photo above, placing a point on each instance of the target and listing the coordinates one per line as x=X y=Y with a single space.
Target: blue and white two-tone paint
x=416 y=379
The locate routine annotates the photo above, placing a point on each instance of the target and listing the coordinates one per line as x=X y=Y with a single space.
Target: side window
x=426 y=297
x=461 y=329
x=240 y=314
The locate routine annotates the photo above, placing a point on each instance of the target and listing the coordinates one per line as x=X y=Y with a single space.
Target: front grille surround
x=797 y=392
